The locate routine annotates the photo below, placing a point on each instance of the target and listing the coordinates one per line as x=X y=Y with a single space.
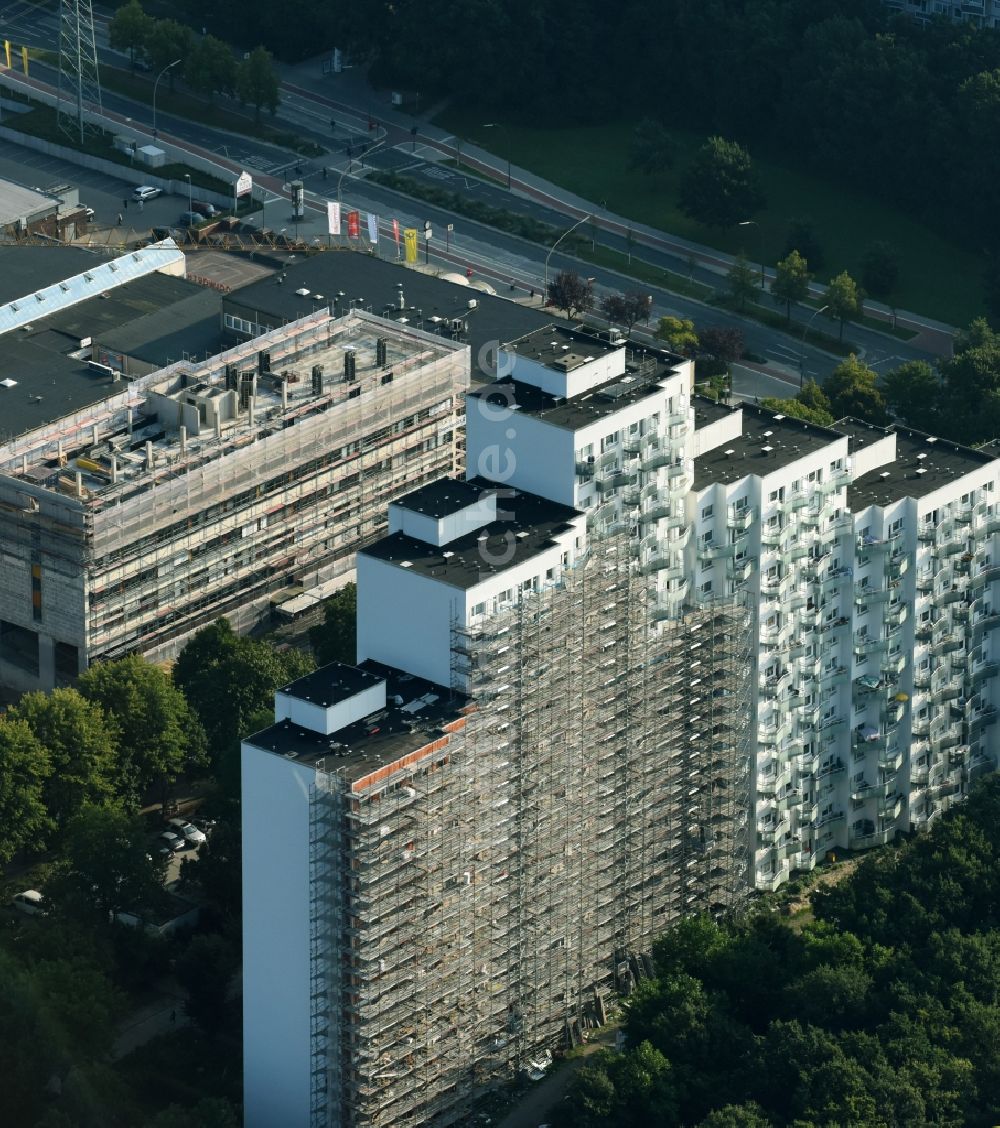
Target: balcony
x=739 y=571
x=771 y=687
x=947 y=645
x=981 y=722
x=864 y=839
x=840 y=575
x=984 y=672
x=865 y=594
x=986 y=575
x=654 y=513
x=654 y=457
x=585 y=469
x=769 y=880
x=951 y=548
x=829 y=817
x=714 y=551
x=890 y=807
x=881 y=790
x=891 y=760
x=868 y=545
x=740 y=520
x=611 y=480
x=838 y=480
x=831 y=767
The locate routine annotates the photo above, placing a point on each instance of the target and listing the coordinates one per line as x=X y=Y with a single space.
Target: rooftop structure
x=344 y=281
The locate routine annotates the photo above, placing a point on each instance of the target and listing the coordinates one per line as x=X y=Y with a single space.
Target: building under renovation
x=214 y=488
x=457 y=850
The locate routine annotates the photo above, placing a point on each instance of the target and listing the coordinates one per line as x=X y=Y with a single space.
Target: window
x=706 y=588
x=706 y=512
x=36 y=592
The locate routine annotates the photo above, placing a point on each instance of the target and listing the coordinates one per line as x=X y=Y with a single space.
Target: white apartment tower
x=871 y=555
x=539 y=762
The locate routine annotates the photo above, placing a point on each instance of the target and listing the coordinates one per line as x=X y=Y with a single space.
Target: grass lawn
x=936 y=277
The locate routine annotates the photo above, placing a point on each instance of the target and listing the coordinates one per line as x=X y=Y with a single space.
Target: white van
x=30 y=902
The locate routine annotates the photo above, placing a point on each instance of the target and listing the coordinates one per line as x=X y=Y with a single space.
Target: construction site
x=222 y=487
x=482 y=887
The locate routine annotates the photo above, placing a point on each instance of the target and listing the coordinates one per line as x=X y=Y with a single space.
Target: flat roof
x=331 y=684
x=641 y=379
x=708 y=411
x=50 y=382
x=767 y=442
x=26 y=269
x=561 y=347
x=373 y=284
x=922 y=465
x=189 y=328
x=17 y=201
x=445 y=496
x=530 y=525
x=415 y=714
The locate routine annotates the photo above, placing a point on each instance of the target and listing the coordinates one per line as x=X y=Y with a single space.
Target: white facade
x=276 y=986
x=982 y=13
x=876 y=692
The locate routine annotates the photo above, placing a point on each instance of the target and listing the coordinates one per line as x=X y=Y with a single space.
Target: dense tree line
x=883 y=1012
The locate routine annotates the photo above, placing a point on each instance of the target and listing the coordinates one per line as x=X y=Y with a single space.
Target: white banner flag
x=333 y=217
x=244 y=184
x=372 y=227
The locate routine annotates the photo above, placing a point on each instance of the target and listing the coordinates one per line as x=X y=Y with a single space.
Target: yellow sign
x=24 y=59
x=410 y=242
x=6 y=50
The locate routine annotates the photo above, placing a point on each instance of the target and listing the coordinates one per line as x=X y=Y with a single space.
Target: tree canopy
x=852 y=390
x=720 y=188
x=336 y=638
x=791 y=281
x=159 y=735
x=882 y=1012
x=571 y=293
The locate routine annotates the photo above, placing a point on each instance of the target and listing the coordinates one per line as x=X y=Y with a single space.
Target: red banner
x=354 y=224
x=395 y=232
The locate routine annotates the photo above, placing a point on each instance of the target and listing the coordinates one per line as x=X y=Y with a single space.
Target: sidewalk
x=161 y=1015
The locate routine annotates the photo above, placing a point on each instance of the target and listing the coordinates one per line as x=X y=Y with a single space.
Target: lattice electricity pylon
x=79 y=77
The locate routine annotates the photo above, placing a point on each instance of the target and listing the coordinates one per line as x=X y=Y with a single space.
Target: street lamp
x=802 y=351
x=350 y=164
x=760 y=232
x=155 y=85
x=506 y=133
x=545 y=287
x=187 y=177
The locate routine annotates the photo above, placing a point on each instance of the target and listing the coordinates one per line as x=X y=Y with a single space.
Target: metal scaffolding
x=494 y=888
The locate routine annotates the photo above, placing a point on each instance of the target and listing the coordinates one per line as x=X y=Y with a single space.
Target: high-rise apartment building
x=454 y=850
x=871 y=555
x=652 y=653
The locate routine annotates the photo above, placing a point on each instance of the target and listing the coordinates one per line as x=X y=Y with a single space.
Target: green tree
x=749 y=1115
x=257 y=82
x=811 y=395
x=205 y=971
x=106 y=866
x=721 y=187
x=791 y=281
x=210 y=67
x=626 y=310
x=912 y=392
x=797 y=410
x=129 y=29
x=217 y=871
x=678 y=333
x=79 y=1001
x=571 y=293
x=160 y=736
x=741 y=281
x=652 y=148
x=336 y=639
x=227 y=679
x=970 y=393
x=852 y=391
x=802 y=238
x=25 y=767
x=845 y=300
x=82 y=748
x=880 y=270
x=166 y=42
x=725 y=343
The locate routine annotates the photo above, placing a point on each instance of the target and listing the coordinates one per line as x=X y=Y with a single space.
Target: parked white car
x=147 y=192
x=169 y=842
x=188 y=831
x=30 y=901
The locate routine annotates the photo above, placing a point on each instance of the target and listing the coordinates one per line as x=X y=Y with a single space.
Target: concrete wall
x=276 y=1004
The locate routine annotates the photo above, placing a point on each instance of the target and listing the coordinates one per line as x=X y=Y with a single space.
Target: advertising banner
x=410 y=241
x=333 y=217
x=372 y=227
x=354 y=224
